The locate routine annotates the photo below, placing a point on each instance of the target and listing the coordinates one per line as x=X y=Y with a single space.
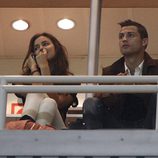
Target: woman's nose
x=41 y=48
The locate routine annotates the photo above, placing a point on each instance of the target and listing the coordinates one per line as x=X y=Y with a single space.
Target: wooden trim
x=75 y=111
x=45 y=3
x=130 y=3
x=77 y=3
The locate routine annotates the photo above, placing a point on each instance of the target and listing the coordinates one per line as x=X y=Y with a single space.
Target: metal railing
x=150 y=86
x=72 y=142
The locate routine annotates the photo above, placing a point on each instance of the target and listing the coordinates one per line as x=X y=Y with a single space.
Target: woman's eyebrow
x=44 y=42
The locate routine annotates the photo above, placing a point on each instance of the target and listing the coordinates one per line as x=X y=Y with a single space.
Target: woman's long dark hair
x=59 y=65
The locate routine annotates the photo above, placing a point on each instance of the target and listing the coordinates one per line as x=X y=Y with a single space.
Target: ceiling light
x=66 y=24
x=20 y=25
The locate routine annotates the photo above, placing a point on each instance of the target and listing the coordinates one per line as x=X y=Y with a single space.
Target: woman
x=46 y=56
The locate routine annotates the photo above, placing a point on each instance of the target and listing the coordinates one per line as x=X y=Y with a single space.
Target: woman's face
x=44 y=45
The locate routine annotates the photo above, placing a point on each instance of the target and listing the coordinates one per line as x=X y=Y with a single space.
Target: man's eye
x=121 y=36
x=131 y=35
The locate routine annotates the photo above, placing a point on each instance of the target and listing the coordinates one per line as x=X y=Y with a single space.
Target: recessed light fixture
x=20 y=25
x=66 y=24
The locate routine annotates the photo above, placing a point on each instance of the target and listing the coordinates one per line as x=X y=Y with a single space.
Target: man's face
x=130 y=41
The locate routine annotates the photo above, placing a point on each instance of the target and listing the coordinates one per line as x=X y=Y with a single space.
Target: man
x=125 y=110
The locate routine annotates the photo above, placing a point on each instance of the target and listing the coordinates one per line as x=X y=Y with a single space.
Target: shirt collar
x=138 y=70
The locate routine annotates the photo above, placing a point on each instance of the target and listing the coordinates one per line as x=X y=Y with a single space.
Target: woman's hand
x=41 y=58
x=62 y=99
x=31 y=63
x=42 y=62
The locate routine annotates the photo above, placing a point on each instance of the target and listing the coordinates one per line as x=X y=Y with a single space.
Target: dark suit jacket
x=133 y=107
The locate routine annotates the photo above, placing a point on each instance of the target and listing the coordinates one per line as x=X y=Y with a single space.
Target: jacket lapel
x=148 y=62
x=118 y=66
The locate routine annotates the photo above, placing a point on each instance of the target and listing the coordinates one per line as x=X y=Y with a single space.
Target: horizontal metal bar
x=81 y=88
x=81 y=79
x=52 y=143
x=79 y=143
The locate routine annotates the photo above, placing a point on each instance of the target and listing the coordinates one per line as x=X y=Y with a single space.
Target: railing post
x=94 y=38
x=3 y=100
x=156 y=110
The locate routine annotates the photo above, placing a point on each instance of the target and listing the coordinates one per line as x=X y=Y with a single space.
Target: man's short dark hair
x=141 y=29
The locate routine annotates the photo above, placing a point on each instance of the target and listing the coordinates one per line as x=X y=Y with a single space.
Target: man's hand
x=123 y=73
x=103 y=95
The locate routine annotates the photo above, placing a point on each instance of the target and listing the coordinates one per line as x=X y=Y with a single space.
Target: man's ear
x=145 y=41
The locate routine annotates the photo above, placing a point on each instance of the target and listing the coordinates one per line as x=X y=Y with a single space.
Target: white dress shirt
x=138 y=70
